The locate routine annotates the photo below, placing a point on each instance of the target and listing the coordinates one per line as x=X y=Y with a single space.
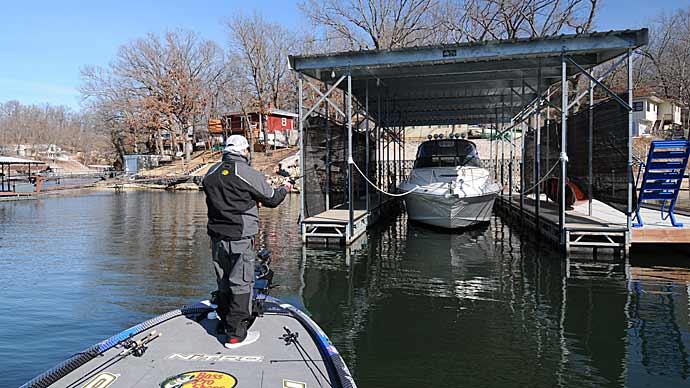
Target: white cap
x=236 y=144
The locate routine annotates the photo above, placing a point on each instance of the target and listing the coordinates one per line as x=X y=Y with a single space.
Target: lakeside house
x=652 y=114
x=275 y=125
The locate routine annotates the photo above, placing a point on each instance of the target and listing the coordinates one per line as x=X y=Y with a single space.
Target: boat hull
x=449 y=212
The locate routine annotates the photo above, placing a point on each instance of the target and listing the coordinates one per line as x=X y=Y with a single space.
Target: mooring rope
x=379 y=189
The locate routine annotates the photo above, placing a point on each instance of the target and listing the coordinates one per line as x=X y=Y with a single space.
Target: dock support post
x=302 y=155
x=503 y=158
x=564 y=148
x=366 y=141
x=548 y=128
x=327 y=124
x=350 y=189
x=630 y=151
x=537 y=151
x=589 y=145
x=379 y=151
x=522 y=154
x=491 y=146
x=512 y=156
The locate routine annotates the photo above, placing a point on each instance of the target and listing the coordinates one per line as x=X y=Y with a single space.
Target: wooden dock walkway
x=606 y=227
x=334 y=224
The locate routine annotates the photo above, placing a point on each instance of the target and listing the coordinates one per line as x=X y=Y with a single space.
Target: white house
x=651 y=113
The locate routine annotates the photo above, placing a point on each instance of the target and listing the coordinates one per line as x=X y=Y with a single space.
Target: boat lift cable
x=378 y=188
x=542 y=179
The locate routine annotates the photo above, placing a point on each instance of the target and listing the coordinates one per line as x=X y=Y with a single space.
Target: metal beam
x=608 y=91
x=350 y=196
x=455 y=99
x=397 y=73
x=324 y=97
x=366 y=145
x=456 y=79
x=630 y=152
x=564 y=154
x=537 y=157
x=600 y=78
x=302 y=155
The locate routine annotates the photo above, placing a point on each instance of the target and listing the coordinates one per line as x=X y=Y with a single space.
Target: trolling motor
x=263 y=274
x=263 y=280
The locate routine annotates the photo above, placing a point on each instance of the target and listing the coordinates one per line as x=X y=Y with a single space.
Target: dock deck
x=334 y=224
x=606 y=227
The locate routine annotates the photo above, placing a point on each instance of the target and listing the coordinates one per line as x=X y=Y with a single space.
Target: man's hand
x=288 y=186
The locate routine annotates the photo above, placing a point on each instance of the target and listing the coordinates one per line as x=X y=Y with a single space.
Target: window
x=638 y=106
x=446 y=153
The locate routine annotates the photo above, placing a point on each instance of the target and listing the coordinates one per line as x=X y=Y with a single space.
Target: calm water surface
x=412 y=307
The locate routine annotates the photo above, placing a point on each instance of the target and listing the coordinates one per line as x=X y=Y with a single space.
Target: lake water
x=412 y=307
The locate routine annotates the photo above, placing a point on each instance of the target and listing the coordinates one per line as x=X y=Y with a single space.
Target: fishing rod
x=136 y=348
x=291 y=338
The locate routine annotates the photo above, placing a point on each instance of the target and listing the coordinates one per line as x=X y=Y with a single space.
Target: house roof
x=275 y=112
x=650 y=97
x=468 y=82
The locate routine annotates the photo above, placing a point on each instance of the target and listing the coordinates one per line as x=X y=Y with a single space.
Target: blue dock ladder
x=663 y=176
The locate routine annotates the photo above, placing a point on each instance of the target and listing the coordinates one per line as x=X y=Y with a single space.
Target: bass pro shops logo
x=200 y=379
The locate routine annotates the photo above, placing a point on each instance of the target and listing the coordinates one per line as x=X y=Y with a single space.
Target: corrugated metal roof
x=466 y=82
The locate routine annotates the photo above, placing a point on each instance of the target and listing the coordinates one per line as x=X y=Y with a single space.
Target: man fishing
x=234 y=191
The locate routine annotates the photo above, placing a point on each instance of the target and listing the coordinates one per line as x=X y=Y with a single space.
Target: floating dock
x=604 y=227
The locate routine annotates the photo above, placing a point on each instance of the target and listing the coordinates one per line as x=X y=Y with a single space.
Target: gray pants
x=234 y=265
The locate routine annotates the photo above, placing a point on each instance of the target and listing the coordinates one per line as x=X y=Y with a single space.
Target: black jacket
x=233 y=189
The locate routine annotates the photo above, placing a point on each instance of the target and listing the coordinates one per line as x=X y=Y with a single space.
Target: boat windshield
x=447 y=153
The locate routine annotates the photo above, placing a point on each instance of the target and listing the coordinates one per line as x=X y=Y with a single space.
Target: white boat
x=451 y=190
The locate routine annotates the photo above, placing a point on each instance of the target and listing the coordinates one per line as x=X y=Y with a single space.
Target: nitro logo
x=214 y=357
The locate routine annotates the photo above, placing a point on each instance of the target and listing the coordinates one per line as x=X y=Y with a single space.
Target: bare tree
x=260 y=50
x=382 y=24
x=41 y=125
x=378 y=24
x=665 y=62
x=257 y=74
x=476 y=20
x=155 y=84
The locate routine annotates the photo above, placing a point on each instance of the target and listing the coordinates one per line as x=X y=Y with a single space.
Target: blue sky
x=43 y=44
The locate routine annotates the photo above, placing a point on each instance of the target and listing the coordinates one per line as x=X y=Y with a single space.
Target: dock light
x=435 y=136
x=429 y=137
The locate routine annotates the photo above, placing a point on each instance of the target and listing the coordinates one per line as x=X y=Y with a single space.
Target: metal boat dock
x=355 y=107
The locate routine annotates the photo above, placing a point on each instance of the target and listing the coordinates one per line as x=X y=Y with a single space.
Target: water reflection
x=410 y=307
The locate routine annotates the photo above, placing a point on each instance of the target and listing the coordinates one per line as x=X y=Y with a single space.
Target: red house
x=275 y=128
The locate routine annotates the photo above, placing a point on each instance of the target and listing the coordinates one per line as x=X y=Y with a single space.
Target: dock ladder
x=663 y=175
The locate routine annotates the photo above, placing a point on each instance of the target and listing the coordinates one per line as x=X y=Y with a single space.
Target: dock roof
x=466 y=82
x=12 y=160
